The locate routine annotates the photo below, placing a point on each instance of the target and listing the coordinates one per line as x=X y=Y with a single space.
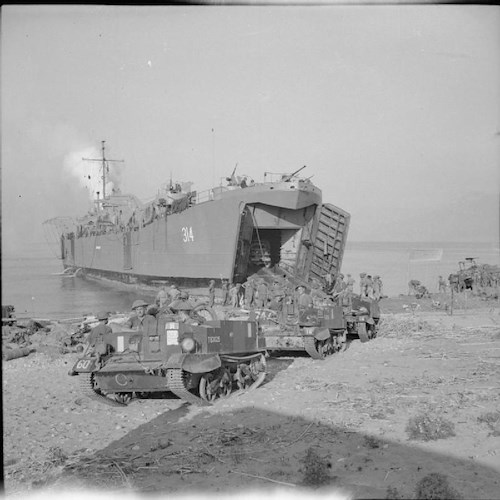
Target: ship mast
x=105 y=168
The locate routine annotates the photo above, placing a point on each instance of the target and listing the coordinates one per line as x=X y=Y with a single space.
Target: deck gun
x=289 y=177
x=232 y=180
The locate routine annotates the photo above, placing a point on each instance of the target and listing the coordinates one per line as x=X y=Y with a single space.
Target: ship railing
x=210 y=194
x=275 y=177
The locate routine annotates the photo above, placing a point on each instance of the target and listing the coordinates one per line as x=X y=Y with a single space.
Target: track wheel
x=203 y=313
x=362 y=332
x=214 y=385
x=123 y=397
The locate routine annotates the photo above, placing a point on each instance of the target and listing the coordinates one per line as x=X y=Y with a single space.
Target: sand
x=348 y=419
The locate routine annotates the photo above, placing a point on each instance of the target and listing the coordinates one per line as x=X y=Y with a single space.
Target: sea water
x=32 y=284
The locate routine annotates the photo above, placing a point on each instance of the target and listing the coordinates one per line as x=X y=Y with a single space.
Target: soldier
x=441 y=285
x=249 y=292
x=377 y=287
x=328 y=281
x=339 y=286
x=211 y=293
x=100 y=332
x=140 y=319
x=225 y=289
x=369 y=287
x=304 y=300
x=173 y=293
x=362 y=284
x=350 y=283
x=277 y=296
x=261 y=295
x=234 y=293
x=162 y=298
x=413 y=286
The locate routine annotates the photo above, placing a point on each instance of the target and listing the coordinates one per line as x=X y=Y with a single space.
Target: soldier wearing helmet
x=139 y=319
x=362 y=284
x=173 y=293
x=304 y=300
x=100 y=333
x=162 y=298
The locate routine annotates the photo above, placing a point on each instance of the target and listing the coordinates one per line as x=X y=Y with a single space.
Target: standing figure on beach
x=369 y=287
x=377 y=287
x=225 y=290
x=249 y=292
x=441 y=285
x=261 y=294
x=162 y=298
x=338 y=287
x=362 y=284
x=211 y=293
x=277 y=296
x=350 y=283
x=234 y=295
x=328 y=277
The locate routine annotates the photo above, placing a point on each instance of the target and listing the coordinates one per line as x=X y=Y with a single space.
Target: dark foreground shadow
x=243 y=450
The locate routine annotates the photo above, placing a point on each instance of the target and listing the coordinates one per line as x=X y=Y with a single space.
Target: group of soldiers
x=342 y=288
x=254 y=292
x=142 y=317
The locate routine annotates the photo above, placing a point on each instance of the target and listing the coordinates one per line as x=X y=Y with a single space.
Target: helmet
x=183 y=295
x=139 y=303
x=102 y=315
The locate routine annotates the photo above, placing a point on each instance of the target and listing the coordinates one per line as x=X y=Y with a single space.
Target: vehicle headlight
x=188 y=344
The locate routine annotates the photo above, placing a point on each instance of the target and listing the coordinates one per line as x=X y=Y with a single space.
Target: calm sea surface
x=30 y=282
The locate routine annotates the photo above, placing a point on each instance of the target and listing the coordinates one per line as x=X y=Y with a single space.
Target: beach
x=355 y=410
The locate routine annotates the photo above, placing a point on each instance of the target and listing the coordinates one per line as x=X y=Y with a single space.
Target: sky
x=393 y=109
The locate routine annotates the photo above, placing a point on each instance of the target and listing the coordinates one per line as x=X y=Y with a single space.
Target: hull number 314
x=187 y=234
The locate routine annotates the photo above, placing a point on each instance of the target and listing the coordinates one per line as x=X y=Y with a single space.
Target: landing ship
x=187 y=237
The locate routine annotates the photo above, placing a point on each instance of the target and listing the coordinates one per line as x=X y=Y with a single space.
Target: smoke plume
x=85 y=165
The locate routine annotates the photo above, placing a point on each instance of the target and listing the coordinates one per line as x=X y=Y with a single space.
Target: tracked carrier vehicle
x=321 y=330
x=197 y=362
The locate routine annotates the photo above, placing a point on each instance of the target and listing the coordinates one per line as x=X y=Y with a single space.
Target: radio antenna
x=105 y=167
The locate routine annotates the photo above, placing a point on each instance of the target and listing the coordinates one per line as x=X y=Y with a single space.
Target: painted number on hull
x=187 y=234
